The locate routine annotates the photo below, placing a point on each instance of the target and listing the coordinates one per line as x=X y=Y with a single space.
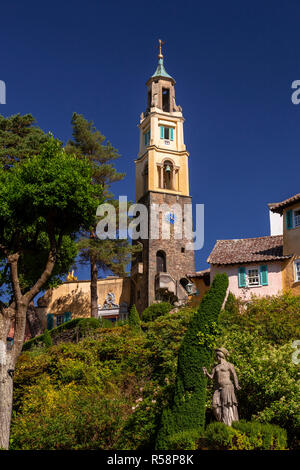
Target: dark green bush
x=156 y=310
x=134 y=319
x=244 y=436
x=187 y=410
x=87 y=325
x=47 y=339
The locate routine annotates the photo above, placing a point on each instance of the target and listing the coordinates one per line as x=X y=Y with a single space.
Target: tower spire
x=160 y=44
x=160 y=70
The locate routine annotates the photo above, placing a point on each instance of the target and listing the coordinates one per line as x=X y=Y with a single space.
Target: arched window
x=161 y=266
x=184 y=282
x=168 y=174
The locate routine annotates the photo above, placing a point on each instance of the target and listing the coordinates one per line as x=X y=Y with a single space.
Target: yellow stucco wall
x=160 y=150
x=288 y=276
x=75 y=297
x=291 y=246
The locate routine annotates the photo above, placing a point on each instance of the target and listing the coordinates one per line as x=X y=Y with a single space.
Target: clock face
x=170 y=217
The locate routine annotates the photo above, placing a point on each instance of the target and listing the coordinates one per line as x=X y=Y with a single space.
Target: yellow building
x=72 y=299
x=289 y=209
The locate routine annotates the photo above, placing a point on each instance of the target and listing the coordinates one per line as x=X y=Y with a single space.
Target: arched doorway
x=161 y=265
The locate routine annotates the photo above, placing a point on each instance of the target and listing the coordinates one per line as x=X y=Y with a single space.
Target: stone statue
x=224 y=401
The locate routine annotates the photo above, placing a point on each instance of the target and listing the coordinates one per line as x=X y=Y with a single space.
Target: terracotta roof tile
x=247 y=250
x=279 y=206
x=199 y=273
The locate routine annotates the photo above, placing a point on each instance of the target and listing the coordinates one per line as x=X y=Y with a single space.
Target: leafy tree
x=105 y=255
x=187 y=410
x=19 y=137
x=48 y=197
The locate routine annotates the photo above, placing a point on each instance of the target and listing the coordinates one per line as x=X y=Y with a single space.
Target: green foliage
x=156 y=310
x=244 y=436
x=184 y=440
x=208 y=336
x=270 y=389
x=276 y=318
x=19 y=138
x=134 y=319
x=47 y=340
x=44 y=201
x=187 y=410
x=127 y=381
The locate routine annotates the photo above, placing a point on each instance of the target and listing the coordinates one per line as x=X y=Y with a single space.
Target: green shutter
x=162 y=133
x=49 y=321
x=148 y=137
x=171 y=133
x=289 y=219
x=67 y=316
x=145 y=139
x=242 y=277
x=264 y=275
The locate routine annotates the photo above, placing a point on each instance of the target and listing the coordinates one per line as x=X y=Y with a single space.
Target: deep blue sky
x=233 y=62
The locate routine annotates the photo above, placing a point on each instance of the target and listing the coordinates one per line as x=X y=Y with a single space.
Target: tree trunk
x=94 y=289
x=8 y=359
x=6 y=398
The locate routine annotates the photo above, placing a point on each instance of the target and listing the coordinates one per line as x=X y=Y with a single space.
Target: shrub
x=276 y=318
x=87 y=325
x=47 y=339
x=156 y=310
x=184 y=440
x=244 y=436
x=134 y=319
x=187 y=410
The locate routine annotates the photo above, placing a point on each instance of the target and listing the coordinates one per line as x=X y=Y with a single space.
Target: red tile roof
x=199 y=273
x=279 y=206
x=247 y=250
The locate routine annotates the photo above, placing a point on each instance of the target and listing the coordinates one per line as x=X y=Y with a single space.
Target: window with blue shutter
x=263 y=275
x=67 y=316
x=162 y=132
x=242 y=277
x=49 y=321
x=171 y=133
x=289 y=219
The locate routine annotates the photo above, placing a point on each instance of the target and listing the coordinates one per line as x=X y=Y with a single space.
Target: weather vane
x=161 y=43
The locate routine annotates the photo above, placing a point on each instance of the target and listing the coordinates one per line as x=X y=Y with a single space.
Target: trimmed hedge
x=187 y=409
x=156 y=310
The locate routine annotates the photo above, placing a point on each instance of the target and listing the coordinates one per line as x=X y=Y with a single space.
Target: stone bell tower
x=162 y=178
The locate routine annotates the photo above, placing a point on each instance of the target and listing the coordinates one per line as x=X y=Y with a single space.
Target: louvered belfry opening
x=166 y=100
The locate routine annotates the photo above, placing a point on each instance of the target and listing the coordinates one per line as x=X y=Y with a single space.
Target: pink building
x=253 y=265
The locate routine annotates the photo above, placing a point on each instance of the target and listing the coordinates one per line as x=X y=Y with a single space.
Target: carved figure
x=224 y=401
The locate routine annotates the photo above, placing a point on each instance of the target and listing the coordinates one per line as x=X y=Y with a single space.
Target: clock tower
x=162 y=180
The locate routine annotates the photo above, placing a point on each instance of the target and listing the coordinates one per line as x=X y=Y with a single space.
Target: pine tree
x=19 y=138
x=107 y=255
x=187 y=410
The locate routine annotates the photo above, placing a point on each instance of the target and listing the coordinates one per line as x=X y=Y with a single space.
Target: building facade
x=162 y=182
x=289 y=209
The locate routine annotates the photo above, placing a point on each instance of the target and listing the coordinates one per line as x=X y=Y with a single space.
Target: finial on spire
x=161 y=43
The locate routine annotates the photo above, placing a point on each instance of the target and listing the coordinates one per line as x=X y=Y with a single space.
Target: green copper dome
x=161 y=71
